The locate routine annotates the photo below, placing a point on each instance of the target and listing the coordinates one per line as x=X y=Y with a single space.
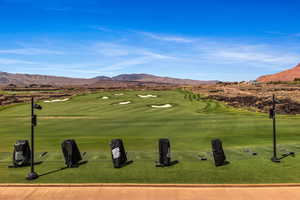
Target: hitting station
x=24 y=156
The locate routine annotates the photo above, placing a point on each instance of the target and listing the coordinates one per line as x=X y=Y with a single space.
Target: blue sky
x=202 y=39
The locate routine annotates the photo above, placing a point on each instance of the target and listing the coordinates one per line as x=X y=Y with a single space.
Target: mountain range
x=28 y=79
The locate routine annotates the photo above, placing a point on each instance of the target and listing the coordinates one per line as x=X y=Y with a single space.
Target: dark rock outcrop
x=284 y=106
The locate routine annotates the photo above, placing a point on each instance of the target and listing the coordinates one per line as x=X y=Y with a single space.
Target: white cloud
x=110 y=49
x=127 y=63
x=5 y=61
x=121 y=50
x=30 y=51
x=157 y=55
x=138 y=52
x=168 y=38
x=258 y=56
x=217 y=52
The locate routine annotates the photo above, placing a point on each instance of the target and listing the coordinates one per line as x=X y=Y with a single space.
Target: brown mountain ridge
x=284 y=76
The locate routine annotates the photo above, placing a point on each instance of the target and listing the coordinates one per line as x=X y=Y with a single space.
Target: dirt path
x=149 y=192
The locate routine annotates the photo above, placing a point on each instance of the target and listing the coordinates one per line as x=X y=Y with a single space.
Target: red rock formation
x=287 y=75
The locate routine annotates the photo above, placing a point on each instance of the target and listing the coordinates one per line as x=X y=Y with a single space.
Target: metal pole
x=274 y=129
x=32 y=136
x=274 y=158
x=32 y=175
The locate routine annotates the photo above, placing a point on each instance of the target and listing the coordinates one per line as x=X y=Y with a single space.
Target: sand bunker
x=162 y=106
x=147 y=96
x=56 y=100
x=124 y=102
x=119 y=94
x=105 y=98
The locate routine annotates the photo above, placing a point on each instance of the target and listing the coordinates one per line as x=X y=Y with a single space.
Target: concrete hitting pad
x=149 y=192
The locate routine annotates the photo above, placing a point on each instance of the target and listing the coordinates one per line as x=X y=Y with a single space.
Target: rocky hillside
x=253 y=97
x=287 y=75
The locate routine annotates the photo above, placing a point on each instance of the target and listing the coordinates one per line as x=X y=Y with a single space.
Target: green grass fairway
x=190 y=125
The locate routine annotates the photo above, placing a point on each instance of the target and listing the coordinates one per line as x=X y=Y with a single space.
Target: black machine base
x=174 y=162
x=32 y=176
x=276 y=160
x=222 y=164
x=124 y=164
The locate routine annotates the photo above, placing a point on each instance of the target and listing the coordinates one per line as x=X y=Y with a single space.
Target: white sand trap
x=124 y=102
x=57 y=100
x=105 y=98
x=162 y=106
x=119 y=94
x=148 y=96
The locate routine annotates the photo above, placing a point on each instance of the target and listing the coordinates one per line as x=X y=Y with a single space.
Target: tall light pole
x=273 y=116
x=33 y=175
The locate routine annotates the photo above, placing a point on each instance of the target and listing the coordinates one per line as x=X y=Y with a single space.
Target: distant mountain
x=29 y=79
x=106 y=78
x=159 y=79
x=287 y=75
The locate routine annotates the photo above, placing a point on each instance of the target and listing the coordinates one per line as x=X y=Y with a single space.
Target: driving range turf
x=190 y=125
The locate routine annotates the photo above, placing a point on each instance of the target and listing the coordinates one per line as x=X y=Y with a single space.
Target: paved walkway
x=148 y=191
